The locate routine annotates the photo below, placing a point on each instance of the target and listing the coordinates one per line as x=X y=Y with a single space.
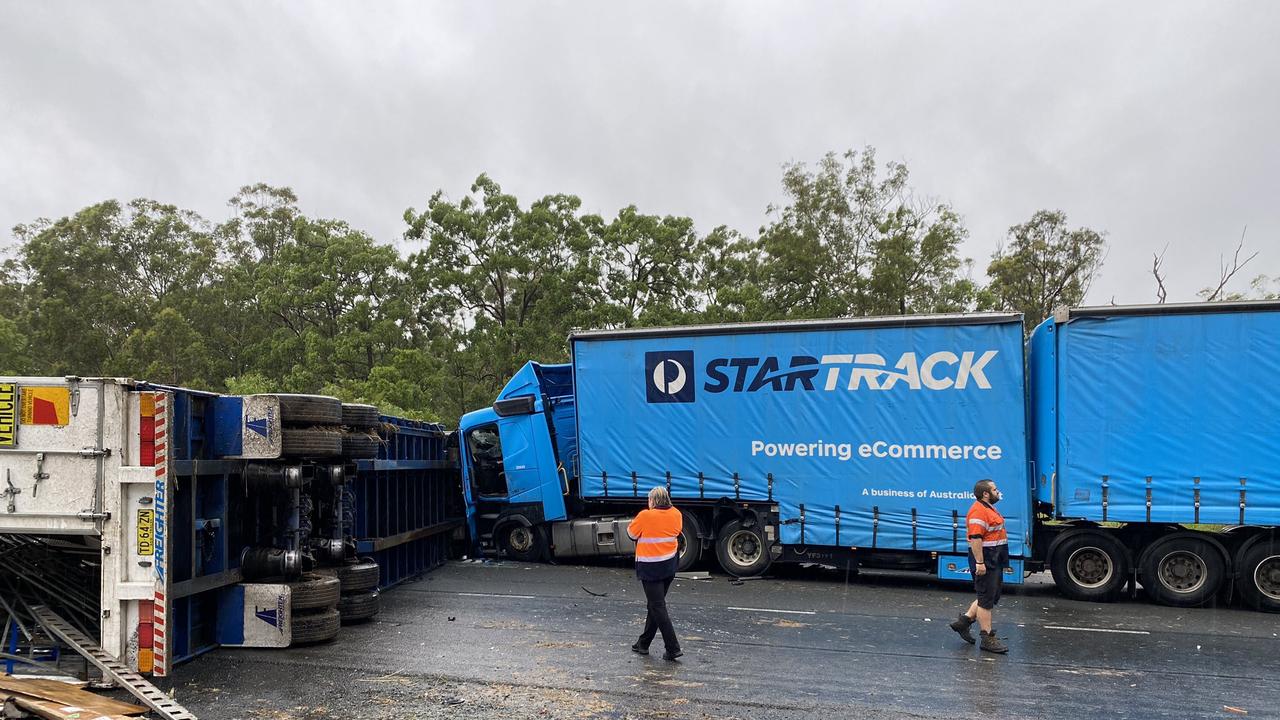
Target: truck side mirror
x=522 y=405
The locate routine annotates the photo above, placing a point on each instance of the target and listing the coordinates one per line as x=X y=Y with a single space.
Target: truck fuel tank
x=592 y=536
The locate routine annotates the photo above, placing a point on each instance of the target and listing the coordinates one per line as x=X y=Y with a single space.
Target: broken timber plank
x=60 y=692
x=56 y=711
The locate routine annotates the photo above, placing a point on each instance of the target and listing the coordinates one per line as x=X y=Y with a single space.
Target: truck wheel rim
x=1182 y=572
x=1266 y=577
x=1090 y=567
x=520 y=539
x=744 y=548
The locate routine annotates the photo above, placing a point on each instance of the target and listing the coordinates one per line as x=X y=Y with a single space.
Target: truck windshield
x=485 y=448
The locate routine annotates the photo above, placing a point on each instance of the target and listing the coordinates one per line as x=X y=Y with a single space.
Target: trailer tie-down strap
x=875 y=524
x=149 y=694
x=955 y=531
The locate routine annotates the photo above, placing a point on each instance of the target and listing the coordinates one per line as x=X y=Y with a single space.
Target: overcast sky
x=1159 y=125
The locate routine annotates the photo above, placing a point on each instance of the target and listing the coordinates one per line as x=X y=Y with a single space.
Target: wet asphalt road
x=512 y=640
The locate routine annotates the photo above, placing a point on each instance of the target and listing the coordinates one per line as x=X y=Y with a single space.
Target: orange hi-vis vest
x=986 y=523
x=656 y=533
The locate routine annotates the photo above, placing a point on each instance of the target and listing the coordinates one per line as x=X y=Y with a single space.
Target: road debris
x=65 y=694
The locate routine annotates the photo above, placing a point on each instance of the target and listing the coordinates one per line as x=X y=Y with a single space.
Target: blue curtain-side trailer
x=825 y=441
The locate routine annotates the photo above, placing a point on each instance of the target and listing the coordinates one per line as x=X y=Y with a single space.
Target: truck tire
x=315 y=591
x=742 y=551
x=311 y=442
x=1258 y=575
x=315 y=626
x=1183 y=571
x=358 y=607
x=359 y=416
x=1089 y=565
x=307 y=410
x=527 y=544
x=360 y=446
x=355 y=577
x=690 y=544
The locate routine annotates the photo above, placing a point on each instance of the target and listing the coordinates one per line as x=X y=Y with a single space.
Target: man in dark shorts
x=988 y=557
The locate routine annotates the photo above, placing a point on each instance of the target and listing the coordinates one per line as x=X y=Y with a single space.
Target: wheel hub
x=1267 y=577
x=744 y=547
x=520 y=539
x=1090 y=567
x=1182 y=571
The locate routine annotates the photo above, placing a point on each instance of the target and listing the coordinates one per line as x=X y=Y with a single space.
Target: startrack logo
x=669 y=375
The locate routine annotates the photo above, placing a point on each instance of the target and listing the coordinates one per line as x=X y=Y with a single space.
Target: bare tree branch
x=1157 y=262
x=1225 y=273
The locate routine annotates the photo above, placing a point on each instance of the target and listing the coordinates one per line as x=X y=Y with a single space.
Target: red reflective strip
x=158 y=630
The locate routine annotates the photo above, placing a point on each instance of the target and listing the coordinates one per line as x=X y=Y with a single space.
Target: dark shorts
x=989 y=586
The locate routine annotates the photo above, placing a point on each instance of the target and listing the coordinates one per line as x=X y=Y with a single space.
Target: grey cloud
x=1154 y=123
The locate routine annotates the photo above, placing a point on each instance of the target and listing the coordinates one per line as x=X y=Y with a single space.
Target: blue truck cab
x=517 y=458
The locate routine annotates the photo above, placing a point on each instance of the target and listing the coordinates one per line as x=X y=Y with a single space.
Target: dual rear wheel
x=1184 y=569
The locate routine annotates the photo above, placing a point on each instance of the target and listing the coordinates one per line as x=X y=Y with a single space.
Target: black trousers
x=658 y=619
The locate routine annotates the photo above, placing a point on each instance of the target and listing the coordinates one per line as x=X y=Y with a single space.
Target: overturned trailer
x=165 y=522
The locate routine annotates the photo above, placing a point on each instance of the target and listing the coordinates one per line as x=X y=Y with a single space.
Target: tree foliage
x=271 y=299
x=1045 y=265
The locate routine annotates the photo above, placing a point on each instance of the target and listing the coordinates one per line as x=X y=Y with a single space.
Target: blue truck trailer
x=854 y=442
x=1156 y=436
x=163 y=522
x=1131 y=443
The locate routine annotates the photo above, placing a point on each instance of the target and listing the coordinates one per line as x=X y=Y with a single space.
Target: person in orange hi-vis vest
x=657 y=535
x=988 y=557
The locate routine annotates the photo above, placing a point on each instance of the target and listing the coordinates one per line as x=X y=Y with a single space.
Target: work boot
x=672 y=654
x=640 y=649
x=992 y=644
x=961 y=626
